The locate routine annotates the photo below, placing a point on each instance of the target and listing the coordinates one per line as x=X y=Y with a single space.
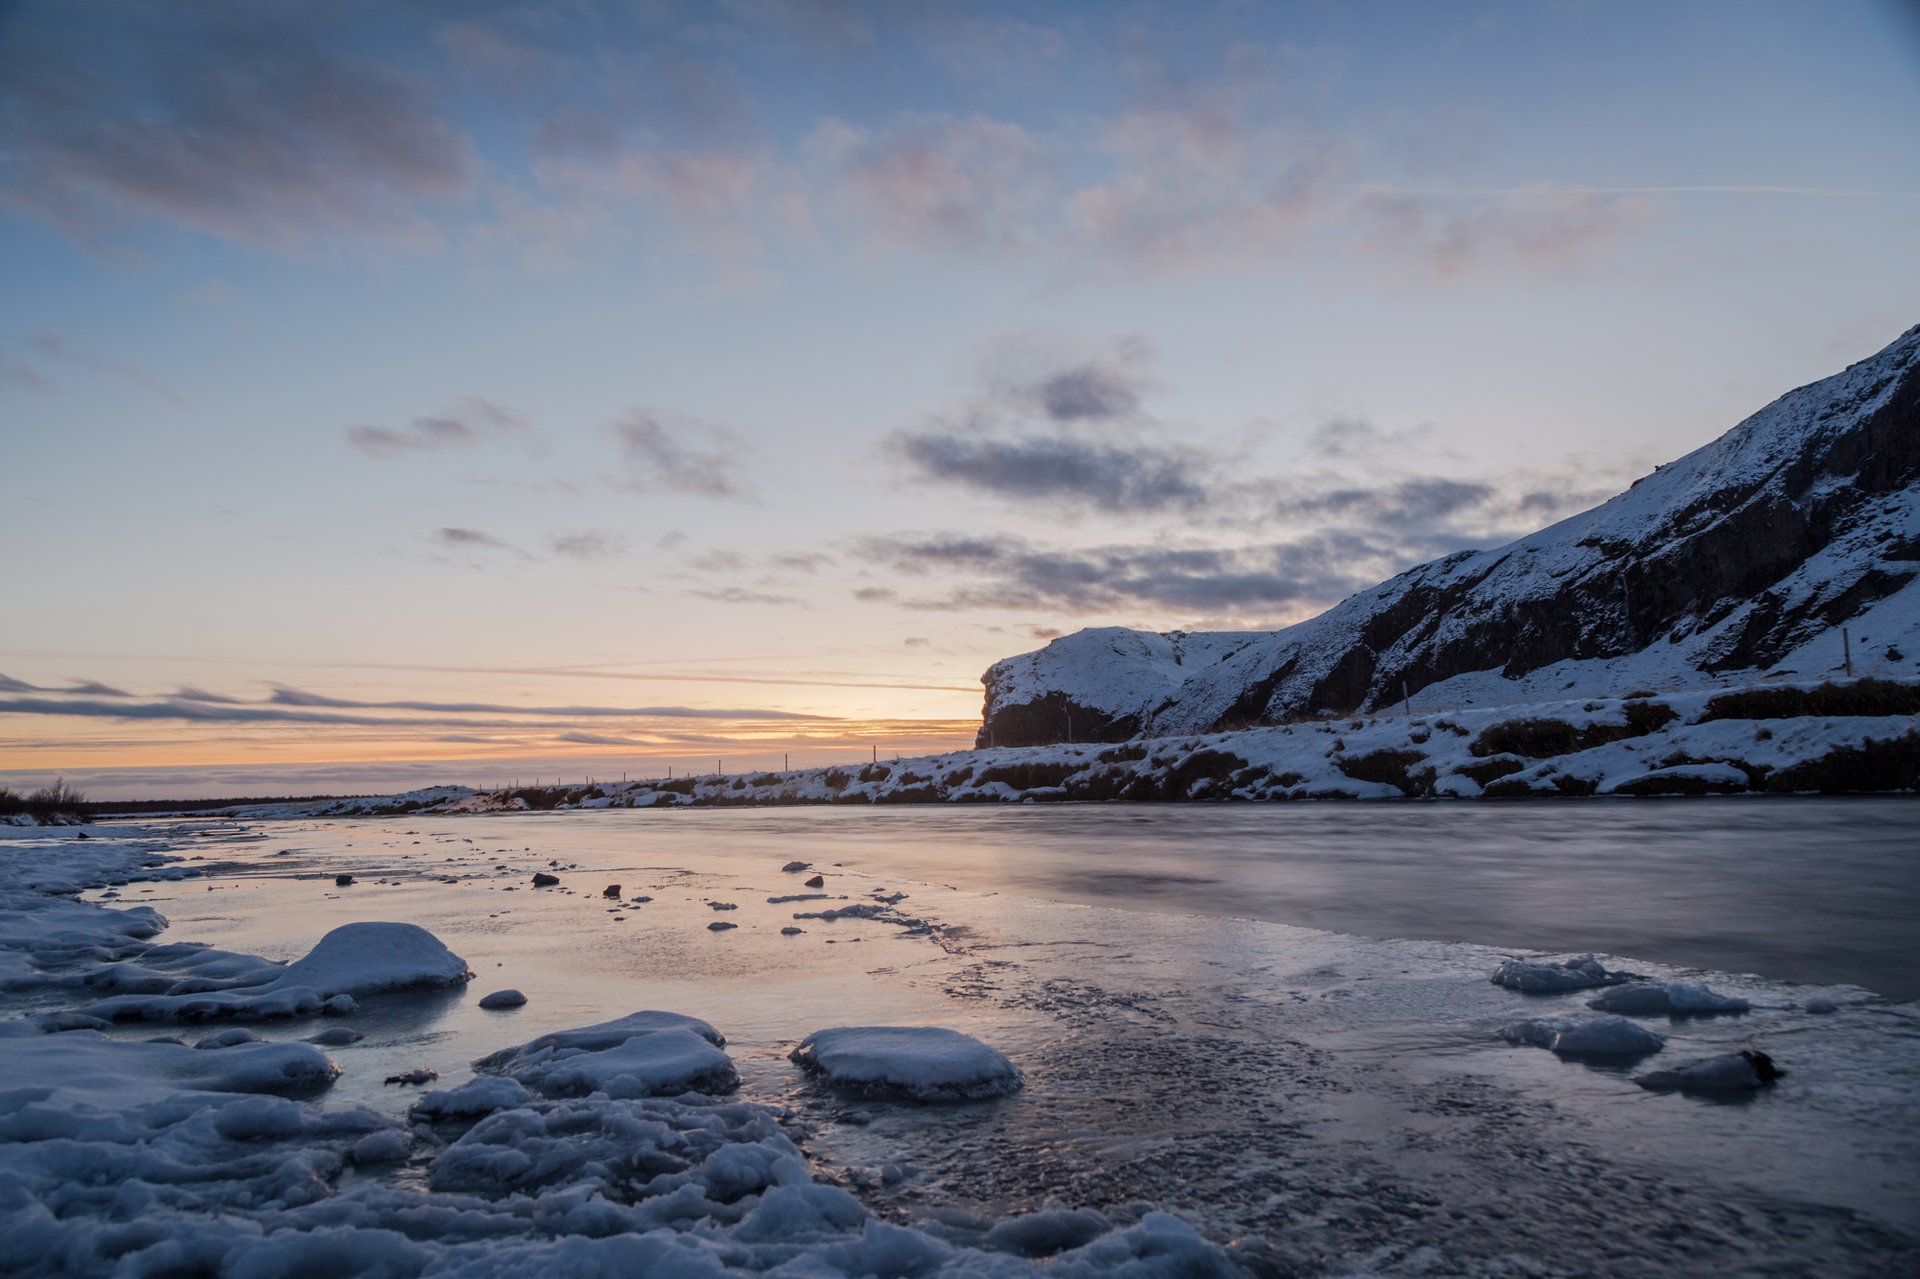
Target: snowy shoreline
x=1860 y=738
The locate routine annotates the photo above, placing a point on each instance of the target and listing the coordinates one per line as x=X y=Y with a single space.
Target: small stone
x=503 y=999
x=336 y=1037
x=817 y=882
x=720 y=926
x=794 y=868
x=543 y=880
x=722 y=906
x=418 y=1075
x=341 y=881
x=791 y=931
x=611 y=890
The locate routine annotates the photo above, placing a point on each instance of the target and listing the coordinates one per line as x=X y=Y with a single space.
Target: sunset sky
x=405 y=393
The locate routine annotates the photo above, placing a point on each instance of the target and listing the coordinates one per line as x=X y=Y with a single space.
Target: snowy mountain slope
x=1739 y=561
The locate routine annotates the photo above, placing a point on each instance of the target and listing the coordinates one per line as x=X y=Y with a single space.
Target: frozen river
x=1273 y=1021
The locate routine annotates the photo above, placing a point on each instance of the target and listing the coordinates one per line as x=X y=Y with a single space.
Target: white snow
x=644 y=1054
x=918 y=1063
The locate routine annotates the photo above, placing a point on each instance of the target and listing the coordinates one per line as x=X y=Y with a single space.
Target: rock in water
x=1548 y=977
x=794 y=868
x=1745 y=1071
x=1668 y=997
x=817 y=881
x=543 y=880
x=720 y=926
x=611 y=890
x=503 y=999
x=341 y=881
x=418 y=1075
x=1586 y=1037
x=912 y=1063
x=644 y=1054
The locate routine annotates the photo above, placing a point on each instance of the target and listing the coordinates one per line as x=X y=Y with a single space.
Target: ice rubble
x=1675 y=998
x=1743 y=1071
x=144 y=1159
x=353 y=960
x=644 y=1054
x=1585 y=1037
x=917 y=1063
x=1542 y=976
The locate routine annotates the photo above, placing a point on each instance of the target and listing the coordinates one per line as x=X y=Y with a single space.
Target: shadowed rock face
x=1797 y=521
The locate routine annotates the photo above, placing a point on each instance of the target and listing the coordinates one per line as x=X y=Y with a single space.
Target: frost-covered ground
x=1310 y=1102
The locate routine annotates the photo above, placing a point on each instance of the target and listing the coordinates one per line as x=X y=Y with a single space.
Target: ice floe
x=1542 y=976
x=1743 y=1071
x=916 y=1063
x=1585 y=1037
x=1674 y=998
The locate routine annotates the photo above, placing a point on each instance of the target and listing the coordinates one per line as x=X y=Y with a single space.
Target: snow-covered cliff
x=1739 y=562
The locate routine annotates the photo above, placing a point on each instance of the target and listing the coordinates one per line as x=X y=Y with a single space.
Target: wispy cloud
x=588 y=544
x=740 y=595
x=679 y=454
x=471 y=419
x=62 y=349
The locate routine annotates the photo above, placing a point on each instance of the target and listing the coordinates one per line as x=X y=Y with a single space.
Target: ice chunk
x=645 y=1054
x=480 y=1096
x=1586 y=1037
x=1540 y=976
x=918 y=1063
x=1668 y=997
x=1744 y=1071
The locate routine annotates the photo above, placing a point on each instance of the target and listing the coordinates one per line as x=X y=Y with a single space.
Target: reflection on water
x=1813 y=890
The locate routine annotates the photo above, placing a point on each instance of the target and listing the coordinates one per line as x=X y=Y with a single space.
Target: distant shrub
x=1123 y=755
x=1545 y=738
x=836 y=780
x=1490 y=770
x=767 y=779
x=910 y=795
x=1029 y=776
x=1201 y=774
x=875 y=772
x=1393 y=768
x=52 y=803
x=1861 y=697
x=1892 y=764
x=914 y=779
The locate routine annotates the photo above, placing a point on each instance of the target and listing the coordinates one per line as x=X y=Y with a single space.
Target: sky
x=394 y=394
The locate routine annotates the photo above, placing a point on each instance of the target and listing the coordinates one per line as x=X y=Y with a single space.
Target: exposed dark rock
x=543 y=880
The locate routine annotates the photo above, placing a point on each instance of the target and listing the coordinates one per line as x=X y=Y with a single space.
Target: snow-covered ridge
x=1826 y=737
x=1742 y=560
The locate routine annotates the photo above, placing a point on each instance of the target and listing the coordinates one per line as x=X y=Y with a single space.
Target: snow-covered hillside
x=1739 y=562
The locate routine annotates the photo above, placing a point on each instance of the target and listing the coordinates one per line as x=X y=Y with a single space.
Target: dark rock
x=818 y=881
x=418 y=1075
x=720 y=926
x=543 y=880
x=611 y=890
x=341 y=881
x=500 y=999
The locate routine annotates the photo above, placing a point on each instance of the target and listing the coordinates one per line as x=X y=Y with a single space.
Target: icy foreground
x=919 y=1063
x=131 y=1158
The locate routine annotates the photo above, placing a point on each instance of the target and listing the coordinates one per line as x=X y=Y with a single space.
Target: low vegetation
x=57 y=802
x=1860 y=697
x=1546 y=738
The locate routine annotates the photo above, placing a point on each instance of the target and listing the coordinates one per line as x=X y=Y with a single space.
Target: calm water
x=1812 y=890
x=1348 y=1101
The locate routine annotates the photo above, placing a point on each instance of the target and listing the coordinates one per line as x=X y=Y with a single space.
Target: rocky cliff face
x=1742 y=560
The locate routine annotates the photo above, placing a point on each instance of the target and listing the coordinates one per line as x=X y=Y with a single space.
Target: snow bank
x=644 y=1054
x=917 y=1063
x=1585 y=1037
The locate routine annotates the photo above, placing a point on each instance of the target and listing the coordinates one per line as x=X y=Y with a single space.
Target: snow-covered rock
x=1542 y=976
x=1585 y=1037
x=644 y=1054
x=1745 y=1071
x=1674 y=998
x=917 y=1063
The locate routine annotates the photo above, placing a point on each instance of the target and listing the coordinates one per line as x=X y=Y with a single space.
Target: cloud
x=589 y=544
x=473 y=539
x=740 y=595
x=188 y=693
x=1452 y=233
x=18 y=375
x=1117 y=478
x=600 y=739
x=940 y=181
x=56 y=346
x=252 y=123
x=659 y=455
x=470 y=420
x=284 y=695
